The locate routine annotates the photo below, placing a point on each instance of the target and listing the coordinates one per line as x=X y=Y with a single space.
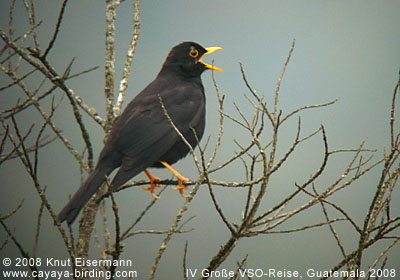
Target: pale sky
x=344 y=49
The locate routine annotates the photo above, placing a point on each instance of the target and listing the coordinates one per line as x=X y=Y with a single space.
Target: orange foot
x=181 y=187
x=153 y=186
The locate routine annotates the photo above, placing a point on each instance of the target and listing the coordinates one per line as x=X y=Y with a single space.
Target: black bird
x=142 y=136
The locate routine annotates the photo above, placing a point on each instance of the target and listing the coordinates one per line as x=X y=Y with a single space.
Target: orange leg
x=181 y=187
x=153 y=186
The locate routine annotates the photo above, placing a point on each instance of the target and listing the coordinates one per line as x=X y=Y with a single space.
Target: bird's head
x=186 y=58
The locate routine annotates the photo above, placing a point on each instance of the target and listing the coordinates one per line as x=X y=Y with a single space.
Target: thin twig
x=12 y=212
x=21 y=249
x=56 y=30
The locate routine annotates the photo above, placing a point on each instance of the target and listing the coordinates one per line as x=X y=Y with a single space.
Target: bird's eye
x=193 y=52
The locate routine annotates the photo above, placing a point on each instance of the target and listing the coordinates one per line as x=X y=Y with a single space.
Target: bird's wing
x=143 y=130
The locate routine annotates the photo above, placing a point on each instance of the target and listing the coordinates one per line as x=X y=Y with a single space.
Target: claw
x=152 y=186
x=181 y=187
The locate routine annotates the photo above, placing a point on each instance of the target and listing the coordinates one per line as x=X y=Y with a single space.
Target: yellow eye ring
x=193 y=52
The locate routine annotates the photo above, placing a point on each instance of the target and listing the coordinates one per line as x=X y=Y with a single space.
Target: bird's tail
x=85 y=192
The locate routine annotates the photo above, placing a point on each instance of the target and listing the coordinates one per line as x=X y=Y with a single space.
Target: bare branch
x=278 y=84
x=49 y=72
x=308 y=107
x=57 y=29
x=13 y=211
x=221 y=121
x=268 y=231
x=21 y=249
x=109 y=69
x=396 y=90
x=129 y=56
x=172 y=230
x=126 y=233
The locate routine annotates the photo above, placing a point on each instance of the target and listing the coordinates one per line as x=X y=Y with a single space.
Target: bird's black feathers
x=142 y=135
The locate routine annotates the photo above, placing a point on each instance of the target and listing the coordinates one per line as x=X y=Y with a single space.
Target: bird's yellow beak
x=210 y=50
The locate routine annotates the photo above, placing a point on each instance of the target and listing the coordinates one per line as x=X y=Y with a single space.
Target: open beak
x=210 y=50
